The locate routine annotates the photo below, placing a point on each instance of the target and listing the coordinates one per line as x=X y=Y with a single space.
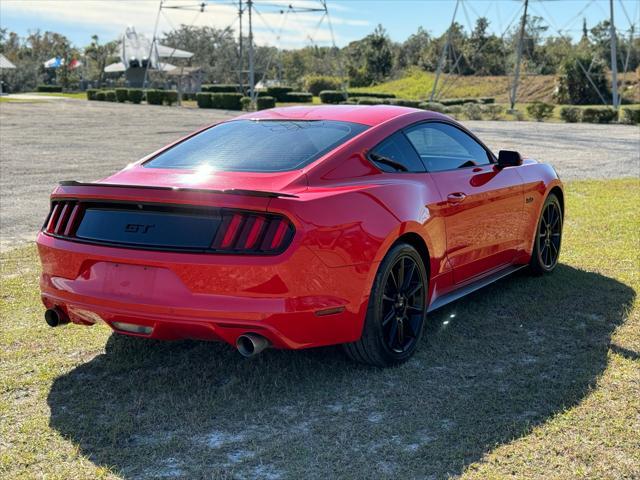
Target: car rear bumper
x=292 y=299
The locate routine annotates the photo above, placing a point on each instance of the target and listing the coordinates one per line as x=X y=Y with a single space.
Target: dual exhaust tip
x=248 y=344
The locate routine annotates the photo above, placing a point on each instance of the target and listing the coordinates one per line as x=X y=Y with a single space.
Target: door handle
x=456 y=197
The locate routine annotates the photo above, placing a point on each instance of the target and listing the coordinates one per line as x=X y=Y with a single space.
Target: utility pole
x=443 y=55
x=614 y=59
x=251 y=66
x=240 y=50
x=516 y=76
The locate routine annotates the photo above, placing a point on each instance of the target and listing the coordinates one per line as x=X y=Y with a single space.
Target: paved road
x=42 y=143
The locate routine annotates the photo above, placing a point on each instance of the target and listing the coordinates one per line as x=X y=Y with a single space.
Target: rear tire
x=546 y=245
x=396 y=312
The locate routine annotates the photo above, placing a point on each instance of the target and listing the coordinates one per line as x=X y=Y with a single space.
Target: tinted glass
x=443 y=147
x=397 y=149
x=258 y=146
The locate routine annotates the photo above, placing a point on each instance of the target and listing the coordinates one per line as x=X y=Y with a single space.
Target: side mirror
x=509 y=158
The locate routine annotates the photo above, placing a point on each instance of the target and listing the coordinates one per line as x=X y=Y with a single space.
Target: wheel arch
x=417 y=242
x=557 y=191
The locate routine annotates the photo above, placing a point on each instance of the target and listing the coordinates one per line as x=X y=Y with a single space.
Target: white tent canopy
x=5 y=63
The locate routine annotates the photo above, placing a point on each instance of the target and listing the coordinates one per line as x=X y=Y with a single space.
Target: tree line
x=364 y=62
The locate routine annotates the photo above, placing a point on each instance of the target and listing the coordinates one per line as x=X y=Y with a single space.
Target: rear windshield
x=258 y=145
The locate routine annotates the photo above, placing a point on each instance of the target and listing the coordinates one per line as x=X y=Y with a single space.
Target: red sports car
x=299 y=227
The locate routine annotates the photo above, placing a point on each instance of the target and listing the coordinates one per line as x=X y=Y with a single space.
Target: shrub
x=91 y=93
x=245 y=102
x=110 y=95
x=462 y=101
x=572 y=86
x=473 y=111
x=599 y=114
x=170 y=97
x=226 y=101
x=486 y=100
x=203 y=100
x=493 y=111
x=121 y=95
x=353 y=93
x=49 y=88
x=540 y=110
x=367 y=100
x=349 y=101
x=154 y=97
x=299 y=97
x=570 y=114
x=403 y=102
x=630 y=116
x=317 y=83
x=221 y=88
x=135 y=95
x=100 y=96
x=433 y=106
x=265 y=102
x=453 y=110
x=279 y=93
x=332 y=96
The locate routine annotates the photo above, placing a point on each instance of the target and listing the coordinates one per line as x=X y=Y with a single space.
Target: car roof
x=364 y=114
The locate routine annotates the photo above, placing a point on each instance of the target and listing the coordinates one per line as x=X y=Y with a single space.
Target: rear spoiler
x=230 y=191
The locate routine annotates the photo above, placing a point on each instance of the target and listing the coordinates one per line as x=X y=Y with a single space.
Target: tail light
x=63 y=218
x=249 y=232
x=230 y=231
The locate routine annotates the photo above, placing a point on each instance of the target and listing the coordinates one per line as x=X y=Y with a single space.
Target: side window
x=444 y=147
x=395 y=154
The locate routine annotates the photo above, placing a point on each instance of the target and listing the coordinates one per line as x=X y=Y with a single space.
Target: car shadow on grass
x=491 y=367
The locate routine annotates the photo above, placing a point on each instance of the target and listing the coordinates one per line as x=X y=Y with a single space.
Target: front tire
x=397 y=310
x=546 y=246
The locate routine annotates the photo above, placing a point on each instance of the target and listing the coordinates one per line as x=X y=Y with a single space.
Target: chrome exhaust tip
x=55 y=317
x=251 y=344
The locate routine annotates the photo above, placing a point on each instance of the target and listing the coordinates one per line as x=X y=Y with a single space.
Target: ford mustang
x=299 y=227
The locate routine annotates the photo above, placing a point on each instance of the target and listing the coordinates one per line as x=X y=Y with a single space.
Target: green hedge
x=571 y=114
x=403 y=102
x=122 y=95
x=49 y=88
x=461 y=101
x=91 y=93
x=245 y=102
x=279 y=93
x=101 y=96
x=221 y=88
x=265 y=102
x=353 y=93
x=332 y=96
x=367 y=100
x=599 y=115
x=203 y=100
x=170 y=97
x=135 y=95
x=318 y=83
x=433 y=106
x=472 y=110
x=299 y=97
x=154 y=97
x=630 y=116
x=540 y=110
x=226 y=101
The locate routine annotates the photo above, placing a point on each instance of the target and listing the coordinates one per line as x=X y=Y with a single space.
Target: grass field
x=528 y=378
x=417 y=84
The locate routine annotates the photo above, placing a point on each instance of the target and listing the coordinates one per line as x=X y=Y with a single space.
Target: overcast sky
x=351 y=19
